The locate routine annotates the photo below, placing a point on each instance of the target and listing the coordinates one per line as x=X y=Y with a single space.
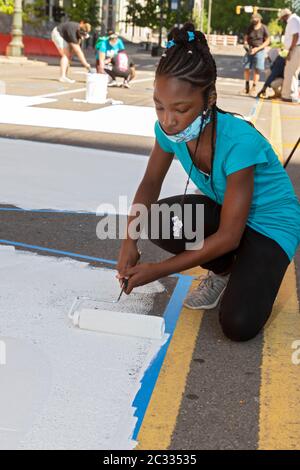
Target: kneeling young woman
x=251 y=213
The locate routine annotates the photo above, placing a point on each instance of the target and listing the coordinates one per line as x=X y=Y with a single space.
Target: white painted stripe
x=141 y=80
x=117 y=119
x=61 y=93
x=79 y=90
x=233 y=84
x=66 y=388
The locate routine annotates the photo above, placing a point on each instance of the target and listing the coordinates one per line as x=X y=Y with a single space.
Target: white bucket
x=96 y=88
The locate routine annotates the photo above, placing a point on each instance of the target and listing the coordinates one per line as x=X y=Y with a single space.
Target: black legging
x=257 y=268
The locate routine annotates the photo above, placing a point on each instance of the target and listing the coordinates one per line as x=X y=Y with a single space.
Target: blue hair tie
x=191 y=36
x=170 y=43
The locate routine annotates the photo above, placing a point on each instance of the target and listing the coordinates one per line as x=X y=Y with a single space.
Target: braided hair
x=190 y=60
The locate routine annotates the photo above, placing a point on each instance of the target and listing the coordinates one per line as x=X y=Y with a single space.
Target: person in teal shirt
x=249 y=212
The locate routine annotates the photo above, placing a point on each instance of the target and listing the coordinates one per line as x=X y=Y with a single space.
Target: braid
x=190 y=61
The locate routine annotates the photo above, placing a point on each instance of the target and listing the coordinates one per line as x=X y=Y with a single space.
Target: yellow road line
x=276 y=133
x=160 y=419
x=279 y=420
x=284 y=103
x=288 y=145
x=290 y=118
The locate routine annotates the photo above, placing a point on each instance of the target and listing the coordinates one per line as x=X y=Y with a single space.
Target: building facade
x=112 y=16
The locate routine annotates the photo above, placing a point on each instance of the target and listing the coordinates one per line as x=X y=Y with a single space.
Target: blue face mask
x=192 y=131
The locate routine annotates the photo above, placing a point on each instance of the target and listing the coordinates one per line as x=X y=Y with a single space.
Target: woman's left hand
x=141 y=274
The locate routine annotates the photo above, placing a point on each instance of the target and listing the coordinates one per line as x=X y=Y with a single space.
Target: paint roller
x=119 y=323
x=116 y=323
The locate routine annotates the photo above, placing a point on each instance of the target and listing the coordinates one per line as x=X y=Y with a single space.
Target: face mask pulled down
x=192 y=131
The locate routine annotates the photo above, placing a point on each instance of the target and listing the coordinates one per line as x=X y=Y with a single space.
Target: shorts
x=256 y=61
x=59 y=40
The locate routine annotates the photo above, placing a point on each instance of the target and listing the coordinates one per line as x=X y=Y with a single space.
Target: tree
x=275 y=28
x=87 y=10
x=7 y=6
x=197 y=20
x=148 y=14
x=33 y=13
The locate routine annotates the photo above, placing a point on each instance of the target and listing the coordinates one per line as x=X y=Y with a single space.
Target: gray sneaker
x=208 y=293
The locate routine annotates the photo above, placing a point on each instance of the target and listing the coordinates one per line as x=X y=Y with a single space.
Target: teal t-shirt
x=275 y=209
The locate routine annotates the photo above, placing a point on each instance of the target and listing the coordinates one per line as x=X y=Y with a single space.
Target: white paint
x=135 y=80
x=2 y=353
x=232 y=81
x=61 y=93
x=48 y=176
x=123 y=119
x=107 y=101
x=142 y=80
x=9 y=103
x=227 y=84
x=66 y=388
x=25 y=385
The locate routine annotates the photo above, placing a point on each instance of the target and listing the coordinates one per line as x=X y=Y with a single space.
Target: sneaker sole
x=206 y=307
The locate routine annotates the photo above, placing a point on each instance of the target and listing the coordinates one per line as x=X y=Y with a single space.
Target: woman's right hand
x=128 y=257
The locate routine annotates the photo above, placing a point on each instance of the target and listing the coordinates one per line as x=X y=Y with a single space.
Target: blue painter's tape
x=74 y=255
x=254 y=107
x=57 y=252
